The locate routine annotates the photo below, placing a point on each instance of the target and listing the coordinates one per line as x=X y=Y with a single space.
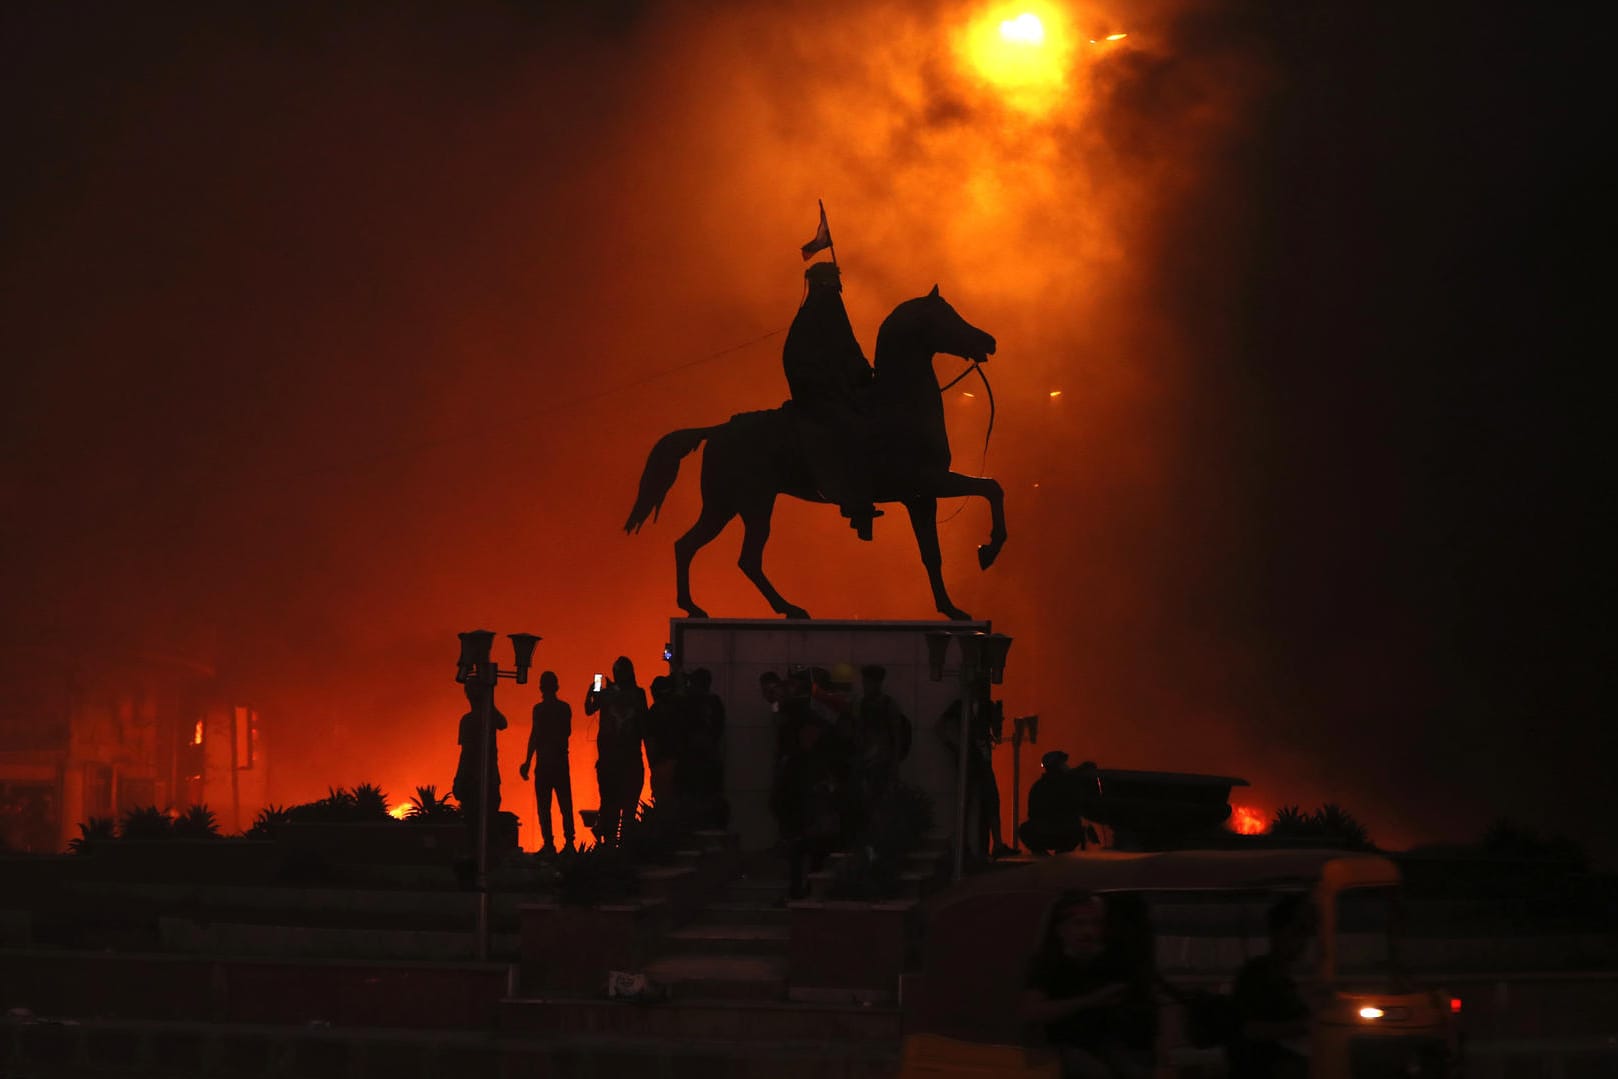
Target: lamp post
x=475 y=669
x=982 y=655
x=1023 y=728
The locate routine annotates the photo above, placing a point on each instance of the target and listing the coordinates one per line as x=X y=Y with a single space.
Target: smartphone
x=600 y=678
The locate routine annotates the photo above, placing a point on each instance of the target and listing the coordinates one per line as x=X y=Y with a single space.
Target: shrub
x=267 y=825
x=593 y=875
x=93 y=833
x=1331 y=825
x=145 y=822
x=197 y=822
x=426 y=805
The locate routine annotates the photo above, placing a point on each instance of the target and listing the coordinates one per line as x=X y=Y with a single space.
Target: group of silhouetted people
x=1094 y=988
x=681 y=732
x=837 y=756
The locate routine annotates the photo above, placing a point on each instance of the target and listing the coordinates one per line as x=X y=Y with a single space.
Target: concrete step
x=729 y=939
x=742 y=912
x=721 y=977
x=683 y=1019
x=318 y=942
x=755 y=889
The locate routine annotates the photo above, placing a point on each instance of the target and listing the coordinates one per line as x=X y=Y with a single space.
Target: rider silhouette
x=828 y=375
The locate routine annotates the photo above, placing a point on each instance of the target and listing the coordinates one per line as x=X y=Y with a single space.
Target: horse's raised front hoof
x=796 y=613
x=693 y=611
x=955 y=614
x=987 y=554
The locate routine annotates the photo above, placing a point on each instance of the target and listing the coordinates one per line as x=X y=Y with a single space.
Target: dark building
x=91 y=732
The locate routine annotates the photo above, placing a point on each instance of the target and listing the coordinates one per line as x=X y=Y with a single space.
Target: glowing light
x=968 y=393
x=196 y=734
x=1056 y=393
x=1245 y=820
x=1455 y=1005
x=1023 y=53
x=400 y=811
x=1368 y=1012
x=1025 y=28
x=1115 y=37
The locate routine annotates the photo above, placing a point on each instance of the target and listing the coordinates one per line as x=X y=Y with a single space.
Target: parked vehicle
x=1207 y=910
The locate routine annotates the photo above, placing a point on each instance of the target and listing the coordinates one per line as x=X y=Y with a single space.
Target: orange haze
x=405 y=310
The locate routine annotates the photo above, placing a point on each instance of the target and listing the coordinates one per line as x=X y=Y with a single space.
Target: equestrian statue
x=852 y=435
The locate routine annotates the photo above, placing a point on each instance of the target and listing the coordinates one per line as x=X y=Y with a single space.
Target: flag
x=822 y=238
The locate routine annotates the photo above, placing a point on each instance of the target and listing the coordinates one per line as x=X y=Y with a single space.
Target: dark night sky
x=329 y=333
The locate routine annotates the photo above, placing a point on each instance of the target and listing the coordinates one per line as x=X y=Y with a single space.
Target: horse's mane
x=900 y=322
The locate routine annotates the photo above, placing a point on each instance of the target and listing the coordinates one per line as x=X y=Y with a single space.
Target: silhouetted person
x=704 y=778
x=984 y=733
x=1273 y=1013
x=878 y=731
x=619 y=772
x=1082 y=992
x=1055 y=821
x=811 y=773
x=665 y=740
x=466 y=788
x=827 y=373
x=547 y=750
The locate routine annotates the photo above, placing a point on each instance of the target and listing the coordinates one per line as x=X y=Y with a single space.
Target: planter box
x=188 y=861
x=848 y=948
x=570 y=949
x=388 y=842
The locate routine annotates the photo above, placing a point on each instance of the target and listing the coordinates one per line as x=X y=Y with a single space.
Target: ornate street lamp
x=474 y=668
x=983 y=656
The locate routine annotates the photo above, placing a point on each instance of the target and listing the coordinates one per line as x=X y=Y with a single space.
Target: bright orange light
x=1022 y=52
x=1245 y=820
x=400 y=811
x=196 y=734
x=1025 y=28
x=1115 y=37
x=968 y=393
x=1056 y=393
x=1370 y=1012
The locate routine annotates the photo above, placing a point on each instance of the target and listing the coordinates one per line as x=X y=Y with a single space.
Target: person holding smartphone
x=620 y=774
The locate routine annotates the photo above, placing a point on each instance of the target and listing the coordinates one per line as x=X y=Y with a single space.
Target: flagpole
x=830 y=245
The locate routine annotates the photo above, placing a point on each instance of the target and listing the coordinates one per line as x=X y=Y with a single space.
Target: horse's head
x=931 y=324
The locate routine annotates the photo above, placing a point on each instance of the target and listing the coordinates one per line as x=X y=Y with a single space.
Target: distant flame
x=1025 y=28
x=1245 y=820
x=196 y=734
x=400 y=811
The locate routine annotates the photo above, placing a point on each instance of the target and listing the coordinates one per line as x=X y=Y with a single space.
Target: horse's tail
x=662 y=469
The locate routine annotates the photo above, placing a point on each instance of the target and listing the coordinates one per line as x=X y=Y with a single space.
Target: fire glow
x=1245 y=820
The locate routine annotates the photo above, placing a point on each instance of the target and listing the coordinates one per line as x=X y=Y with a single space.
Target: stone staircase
x=735 y=947
x=726 y=971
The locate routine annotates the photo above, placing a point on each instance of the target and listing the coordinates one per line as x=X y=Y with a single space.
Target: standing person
x=988 y=721
x=547 y=750
x=880 y=733
x=619 y=772
x=1075 y=988
x=466 y=788
x=828 y=375
x=665 y=742
x=705 y=746
x=1274 y=1015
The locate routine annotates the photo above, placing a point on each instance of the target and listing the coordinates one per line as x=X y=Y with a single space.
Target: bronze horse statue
x=755 y=456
